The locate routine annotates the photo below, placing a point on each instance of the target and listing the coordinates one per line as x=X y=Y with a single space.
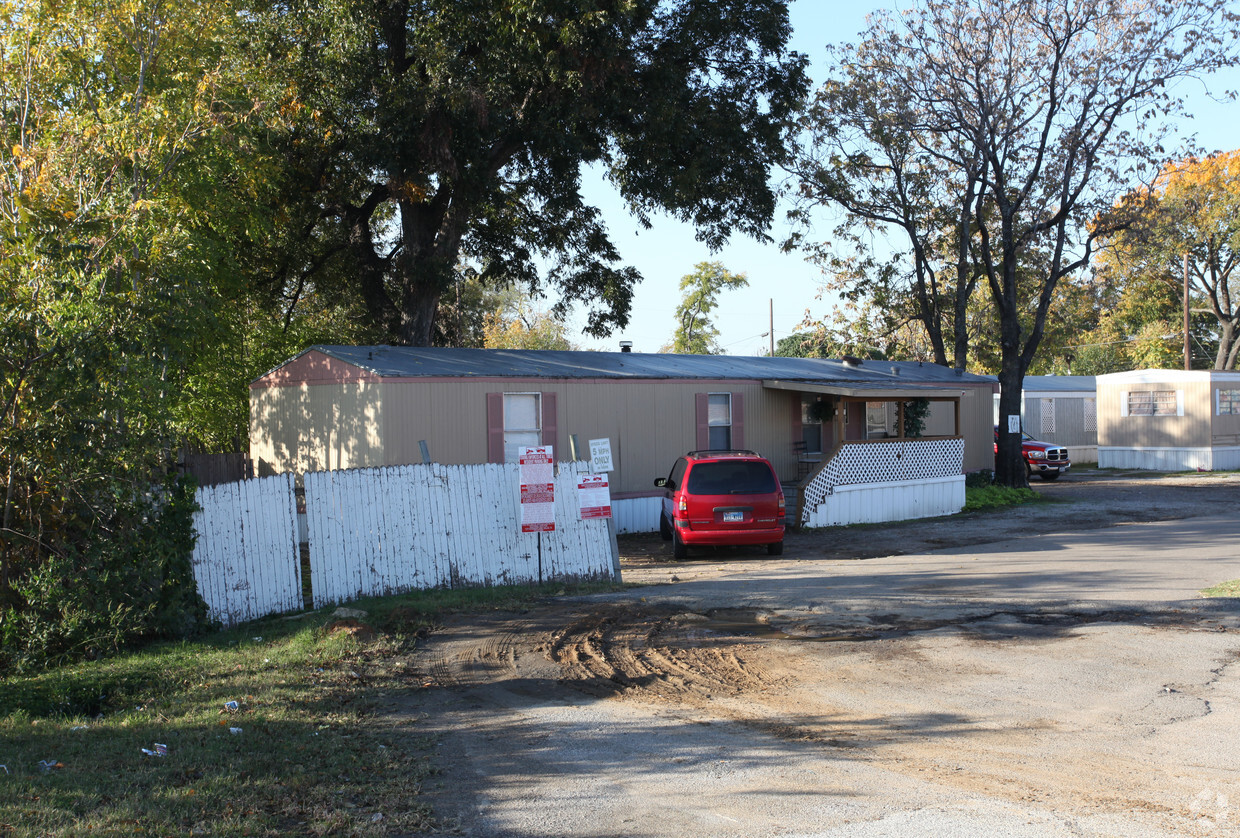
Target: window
x=1153 y=403
x=878 y=423
x=1228 y=402
x=522 y=423
x=811 y=425
x=1048 y=416
x=1091 y=414
x=719 y=421
x=744 y=478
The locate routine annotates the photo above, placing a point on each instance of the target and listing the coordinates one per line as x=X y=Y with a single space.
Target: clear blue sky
x=669 y=250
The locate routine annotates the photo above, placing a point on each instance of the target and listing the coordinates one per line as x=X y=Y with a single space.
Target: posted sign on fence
x=593 y=496
x=537 y=489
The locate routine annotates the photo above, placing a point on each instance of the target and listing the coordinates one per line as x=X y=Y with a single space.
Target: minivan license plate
x=733 y=517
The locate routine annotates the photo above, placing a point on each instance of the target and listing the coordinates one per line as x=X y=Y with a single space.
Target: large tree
x=420 y=133
x=1193 y=210
x=695 y=332
x=105 y=295
x=1023 y=116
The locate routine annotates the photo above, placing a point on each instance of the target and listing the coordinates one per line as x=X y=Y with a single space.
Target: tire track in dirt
x=656 y=655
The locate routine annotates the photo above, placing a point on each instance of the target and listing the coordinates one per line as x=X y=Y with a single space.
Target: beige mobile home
x=337 y=407
x=1169 y=420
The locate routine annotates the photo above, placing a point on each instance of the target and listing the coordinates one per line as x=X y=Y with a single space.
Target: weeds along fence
x=380 y=531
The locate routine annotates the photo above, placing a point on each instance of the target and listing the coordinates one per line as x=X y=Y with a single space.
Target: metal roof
x=1060 y=383
x=440 y=362
x=1034 y=384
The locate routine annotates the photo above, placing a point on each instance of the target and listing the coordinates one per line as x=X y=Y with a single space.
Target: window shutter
x=495 y=427
x=738 y=420
x=548 y=424
x=1123 y=403
x=1179 y=402
x=702 y=409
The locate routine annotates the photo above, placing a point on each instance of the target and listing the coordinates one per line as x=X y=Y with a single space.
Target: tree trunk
x=1009 y=464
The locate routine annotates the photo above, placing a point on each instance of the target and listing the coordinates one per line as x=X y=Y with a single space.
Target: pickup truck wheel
x=679 y=549
x=1050 y=475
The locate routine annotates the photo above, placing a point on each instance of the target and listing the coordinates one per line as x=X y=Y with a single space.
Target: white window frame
x=712 y=422
x=512 y=448
x=1126 y=403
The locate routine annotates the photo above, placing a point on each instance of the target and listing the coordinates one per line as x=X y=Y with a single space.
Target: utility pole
x=1188 y=355
x=772 y=324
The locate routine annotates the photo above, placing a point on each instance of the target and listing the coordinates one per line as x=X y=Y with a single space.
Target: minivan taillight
x=781 y=505
x=682 y=505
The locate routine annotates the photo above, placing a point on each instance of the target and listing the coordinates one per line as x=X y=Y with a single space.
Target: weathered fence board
x=379 y=531
x=245 y=557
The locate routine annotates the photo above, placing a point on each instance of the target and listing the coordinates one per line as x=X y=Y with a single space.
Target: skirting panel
x=872 y=503
x=636 y=514
x=1156 y=459
x=1171 y=459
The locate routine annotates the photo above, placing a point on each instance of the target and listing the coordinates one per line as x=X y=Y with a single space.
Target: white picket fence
x=246 y=559
x=379 y=531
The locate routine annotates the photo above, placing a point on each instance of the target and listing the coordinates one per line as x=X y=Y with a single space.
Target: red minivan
x=722 y=498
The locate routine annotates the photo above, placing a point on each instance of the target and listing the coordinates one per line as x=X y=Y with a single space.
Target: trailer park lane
x=1069 y=684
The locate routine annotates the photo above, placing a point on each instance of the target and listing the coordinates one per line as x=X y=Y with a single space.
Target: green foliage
x=417 y=136
x=103 y=297
x=997 y=497
x=317 y=752
x=695 y=333
x=121 y=574
x=916 y=412
x=984 y=136
x=1223 y=589
x=516 y=324
x=1192 y=209
x=979 y=479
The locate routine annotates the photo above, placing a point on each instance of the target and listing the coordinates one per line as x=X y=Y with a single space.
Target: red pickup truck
x=1044 y=459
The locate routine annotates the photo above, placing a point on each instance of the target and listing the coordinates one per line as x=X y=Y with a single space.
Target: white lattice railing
x=883 y=461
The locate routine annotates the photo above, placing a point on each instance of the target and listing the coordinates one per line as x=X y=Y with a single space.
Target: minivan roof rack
x=723 y=452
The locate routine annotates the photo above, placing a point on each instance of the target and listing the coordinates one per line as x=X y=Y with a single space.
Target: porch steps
x=790 y=503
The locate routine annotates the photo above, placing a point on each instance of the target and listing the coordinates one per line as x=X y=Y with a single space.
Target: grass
x=314 y=753
x=1224 y=589
x=997 y=497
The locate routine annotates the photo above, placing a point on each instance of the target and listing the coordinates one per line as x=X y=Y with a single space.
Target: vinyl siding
x=316 y=427
x=650 y=422
x=1190 y=430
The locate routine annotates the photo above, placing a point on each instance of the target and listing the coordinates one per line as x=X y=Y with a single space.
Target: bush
x=117 y=574
x=979 y=479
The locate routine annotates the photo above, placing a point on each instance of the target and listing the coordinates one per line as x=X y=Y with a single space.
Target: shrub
x=118 y=573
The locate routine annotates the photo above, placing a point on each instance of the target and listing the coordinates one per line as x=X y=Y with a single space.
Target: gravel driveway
x=1044 y=671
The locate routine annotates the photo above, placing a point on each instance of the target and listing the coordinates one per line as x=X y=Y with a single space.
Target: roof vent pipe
x=626 y=346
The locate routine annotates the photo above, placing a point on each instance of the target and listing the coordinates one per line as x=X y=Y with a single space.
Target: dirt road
x=1041 y=671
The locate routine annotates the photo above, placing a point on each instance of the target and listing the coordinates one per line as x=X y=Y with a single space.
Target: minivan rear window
x=731 y=478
